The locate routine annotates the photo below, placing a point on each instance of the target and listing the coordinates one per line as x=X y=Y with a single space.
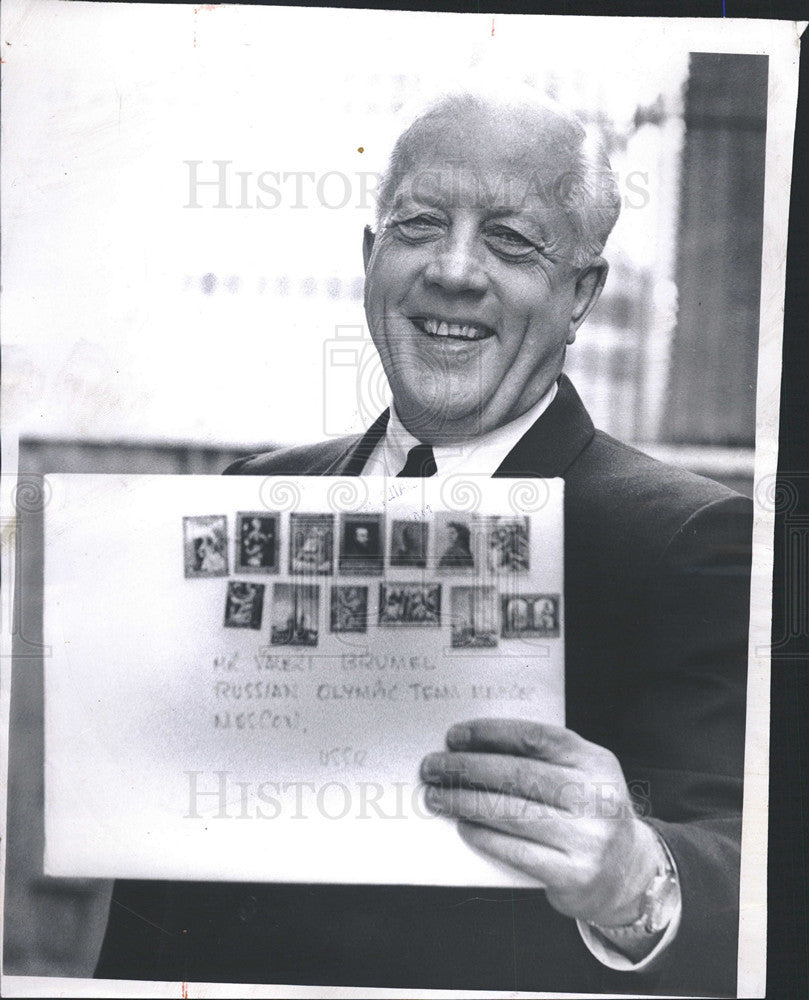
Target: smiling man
x=486 y=259
x=485 y=263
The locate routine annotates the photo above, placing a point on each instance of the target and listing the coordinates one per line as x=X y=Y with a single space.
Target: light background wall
x=129 y=316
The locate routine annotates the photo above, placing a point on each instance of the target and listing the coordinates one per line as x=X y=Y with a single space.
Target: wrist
x=650 y=859
x=659 y=902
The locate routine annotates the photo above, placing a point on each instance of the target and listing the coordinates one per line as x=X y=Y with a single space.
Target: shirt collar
x=482 y=454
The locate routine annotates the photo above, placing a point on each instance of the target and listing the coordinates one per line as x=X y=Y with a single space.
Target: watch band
x=660 y=901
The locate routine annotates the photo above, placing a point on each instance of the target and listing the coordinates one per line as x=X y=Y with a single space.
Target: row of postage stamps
x=365 y=544
x=477 y=615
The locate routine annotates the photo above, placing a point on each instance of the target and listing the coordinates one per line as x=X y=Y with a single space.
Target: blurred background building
x=145 y=335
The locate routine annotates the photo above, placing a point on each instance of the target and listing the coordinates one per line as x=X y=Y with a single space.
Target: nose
x=456 y=267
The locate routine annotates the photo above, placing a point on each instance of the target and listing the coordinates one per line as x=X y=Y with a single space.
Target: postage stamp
x=257 y=539
x=473 y=622
x=530 y=616
x=408 y=543
x=410 y=604
x=205 y=545
x=349 y=609
x=295 y=614
x=361 y=543
x=506 y=544
x=311 y=544
x=454 y=543
x=244 y=604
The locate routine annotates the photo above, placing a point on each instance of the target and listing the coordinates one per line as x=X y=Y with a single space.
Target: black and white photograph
x=361 y=540
x=258 y=540
x=408 y=543
x=244 y=604
x=530 y=616
x=295 y=617
x=205 y=545
x=349 y=608
x=311 y=544
x=409 y=604
x=474 y=618
x=471 y=255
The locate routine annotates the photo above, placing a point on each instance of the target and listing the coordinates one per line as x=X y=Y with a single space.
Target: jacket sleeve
x=686 y=714
x=235 y=468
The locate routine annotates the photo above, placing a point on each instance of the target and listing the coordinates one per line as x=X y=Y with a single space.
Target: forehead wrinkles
x=491 y=162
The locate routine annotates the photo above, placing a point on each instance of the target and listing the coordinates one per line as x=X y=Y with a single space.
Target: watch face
x=662 y=900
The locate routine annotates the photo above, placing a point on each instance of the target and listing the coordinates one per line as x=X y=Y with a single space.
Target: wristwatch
x=660 y=902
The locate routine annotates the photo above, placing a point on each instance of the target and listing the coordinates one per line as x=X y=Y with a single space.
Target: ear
x=589 y=285
x=368 y=238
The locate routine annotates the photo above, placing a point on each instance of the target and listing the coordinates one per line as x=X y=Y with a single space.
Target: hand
x=548 y=802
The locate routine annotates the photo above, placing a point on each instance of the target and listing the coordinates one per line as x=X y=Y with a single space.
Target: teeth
x=440 y=328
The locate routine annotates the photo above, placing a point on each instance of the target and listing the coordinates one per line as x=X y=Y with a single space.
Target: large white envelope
x=205 y=721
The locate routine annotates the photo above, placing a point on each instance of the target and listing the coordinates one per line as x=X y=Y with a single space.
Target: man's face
x=361 y=535
x=471 y=295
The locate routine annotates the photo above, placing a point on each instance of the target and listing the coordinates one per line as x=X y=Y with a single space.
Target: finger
x=529 y=779
x=548 y=866
x=521 y=738
x=506 y=813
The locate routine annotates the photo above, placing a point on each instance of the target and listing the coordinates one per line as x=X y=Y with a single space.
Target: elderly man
x=486 y=260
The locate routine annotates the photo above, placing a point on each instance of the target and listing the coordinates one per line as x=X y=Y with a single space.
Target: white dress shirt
x=482 y=456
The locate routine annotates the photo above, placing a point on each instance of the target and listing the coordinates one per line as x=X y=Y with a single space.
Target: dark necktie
x=420 y=462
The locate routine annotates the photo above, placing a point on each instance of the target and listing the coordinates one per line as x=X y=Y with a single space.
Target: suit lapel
x=552 y=444
x=546 y=450
x=352 y=461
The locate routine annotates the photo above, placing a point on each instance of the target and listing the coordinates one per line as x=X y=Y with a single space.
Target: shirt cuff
x=609 y=954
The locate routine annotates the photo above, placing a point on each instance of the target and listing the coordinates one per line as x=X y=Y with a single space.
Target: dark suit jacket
x=657 y=568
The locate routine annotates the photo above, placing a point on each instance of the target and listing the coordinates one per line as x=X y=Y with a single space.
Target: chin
x=425 y=415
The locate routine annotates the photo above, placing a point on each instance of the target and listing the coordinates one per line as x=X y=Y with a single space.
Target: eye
x=418 y=227
x=508 y=243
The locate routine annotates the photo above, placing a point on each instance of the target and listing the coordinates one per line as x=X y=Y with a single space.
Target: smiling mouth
x=435 y=327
